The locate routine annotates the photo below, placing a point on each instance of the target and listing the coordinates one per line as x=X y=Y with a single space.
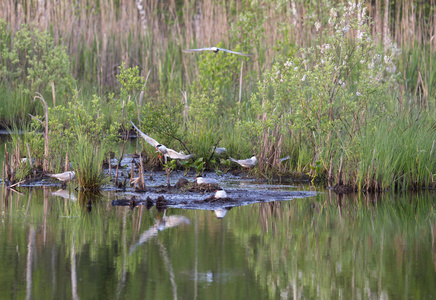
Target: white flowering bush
x=333 y=88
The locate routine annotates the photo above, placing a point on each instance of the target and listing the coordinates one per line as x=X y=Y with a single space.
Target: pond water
x=353 y=247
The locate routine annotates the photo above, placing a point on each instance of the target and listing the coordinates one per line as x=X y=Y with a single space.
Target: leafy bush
x=31 y=62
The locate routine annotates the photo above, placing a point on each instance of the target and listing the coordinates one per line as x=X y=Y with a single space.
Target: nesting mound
x=204 y=187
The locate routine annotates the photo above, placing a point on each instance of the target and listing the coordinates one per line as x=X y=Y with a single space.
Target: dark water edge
x=353 y=247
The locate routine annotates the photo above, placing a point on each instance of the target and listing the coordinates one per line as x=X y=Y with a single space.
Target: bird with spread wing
x=216 y=50
x=166 y=152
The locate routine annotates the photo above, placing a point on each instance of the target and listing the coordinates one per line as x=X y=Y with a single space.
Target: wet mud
x=183 y=191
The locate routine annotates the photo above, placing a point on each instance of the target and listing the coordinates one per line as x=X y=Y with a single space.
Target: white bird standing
x=220 y=194
x=64 y=177
x=216 y=50
x=246 y=163
x=202 y=180
x=166 y=152
x=220 y=151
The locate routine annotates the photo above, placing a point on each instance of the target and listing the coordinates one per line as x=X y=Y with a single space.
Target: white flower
x=360 y=35
x=326 y=46
x=358 y=94
x=278 y=72
x=296 y=69
x=281 y=79
x=331 y=21
x=346 y=28
x=371 y=65
x=322 y=61
x=362 y=61
x=317 y=25
x=304 y=77
x=391 y=68
x=386 y=59
x=333 y=13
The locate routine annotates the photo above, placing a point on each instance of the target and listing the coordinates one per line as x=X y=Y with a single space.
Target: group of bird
x=167 y=152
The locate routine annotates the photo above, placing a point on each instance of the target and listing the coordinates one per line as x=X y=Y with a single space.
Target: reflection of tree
x=316 y=248
x=307 y=248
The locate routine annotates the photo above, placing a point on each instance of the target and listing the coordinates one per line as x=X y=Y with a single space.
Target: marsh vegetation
x=345 y=89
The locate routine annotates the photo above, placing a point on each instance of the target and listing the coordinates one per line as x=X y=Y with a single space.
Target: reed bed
x=192 y=102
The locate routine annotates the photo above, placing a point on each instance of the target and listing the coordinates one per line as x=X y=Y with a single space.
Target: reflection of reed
x=73 y=272
x=168 y=267
x=122 y=280
x=30 y=249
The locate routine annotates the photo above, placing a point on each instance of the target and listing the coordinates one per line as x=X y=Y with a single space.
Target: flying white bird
x=64 y=177
x=216 y=50
x=202 y=180
x=220 y=194
x=166 y=152
x=246 y=163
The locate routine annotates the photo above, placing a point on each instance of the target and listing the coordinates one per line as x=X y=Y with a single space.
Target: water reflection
x=361 y=246
x=221 y=213
x=161 y=224
x=66 y=194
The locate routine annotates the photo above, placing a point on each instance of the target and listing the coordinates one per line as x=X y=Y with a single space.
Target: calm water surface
x=319 y=247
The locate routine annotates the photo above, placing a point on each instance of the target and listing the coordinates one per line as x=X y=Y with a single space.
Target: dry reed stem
x=29 y=155
x=45 y=161
x=204 y=23
x=141 y=174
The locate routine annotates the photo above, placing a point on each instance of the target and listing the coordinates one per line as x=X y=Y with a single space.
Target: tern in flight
x=166 y=152
x=64 y=177
x=216 y=50
x=246 y=163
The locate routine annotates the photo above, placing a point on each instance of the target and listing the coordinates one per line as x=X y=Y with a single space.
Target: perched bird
x=246 y=163
x=284 y=158
x=220 y=151
x=166 y=152
x=216 y=50
x=64 y=177
x=220 y=194
x=25 y=160
x=202 y=180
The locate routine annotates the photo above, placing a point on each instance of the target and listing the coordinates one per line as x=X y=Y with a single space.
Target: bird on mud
x=220 y=194
x=166 y=152
x=220 y=151
x=246 y=163
x=216 y=50
x=64 y=177
x=203 y=180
